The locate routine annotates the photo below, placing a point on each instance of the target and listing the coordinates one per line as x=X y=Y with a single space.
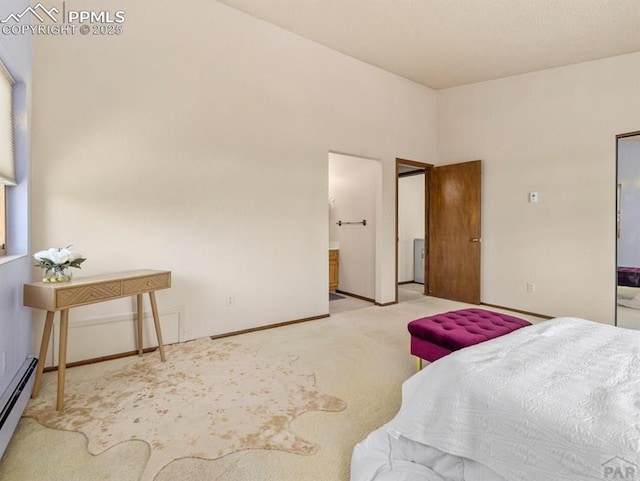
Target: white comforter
x=555 y=401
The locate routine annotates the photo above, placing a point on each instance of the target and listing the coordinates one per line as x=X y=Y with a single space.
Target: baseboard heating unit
x=14 y=400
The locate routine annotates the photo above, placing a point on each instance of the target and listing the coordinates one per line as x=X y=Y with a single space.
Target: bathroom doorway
x=354 y=199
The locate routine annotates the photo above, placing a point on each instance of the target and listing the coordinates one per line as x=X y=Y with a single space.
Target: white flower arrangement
x=55 y=261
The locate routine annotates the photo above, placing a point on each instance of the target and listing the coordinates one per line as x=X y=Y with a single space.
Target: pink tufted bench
x=436 y=336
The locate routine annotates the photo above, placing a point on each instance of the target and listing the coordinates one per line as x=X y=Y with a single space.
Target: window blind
x=7 y=165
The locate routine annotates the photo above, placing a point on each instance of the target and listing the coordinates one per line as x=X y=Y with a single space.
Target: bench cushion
x=436 y=336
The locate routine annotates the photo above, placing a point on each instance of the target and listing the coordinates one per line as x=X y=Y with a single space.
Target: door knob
x=476 y=239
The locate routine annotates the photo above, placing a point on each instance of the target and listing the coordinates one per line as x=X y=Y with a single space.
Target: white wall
x=354 y=190
x=552 y=132
x=629 y=179
x=198 y=143
x=410 y=222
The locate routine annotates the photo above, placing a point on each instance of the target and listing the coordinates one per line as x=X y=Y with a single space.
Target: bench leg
x=418 y=364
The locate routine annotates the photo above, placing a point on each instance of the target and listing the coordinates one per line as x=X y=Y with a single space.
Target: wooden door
x=454 y=232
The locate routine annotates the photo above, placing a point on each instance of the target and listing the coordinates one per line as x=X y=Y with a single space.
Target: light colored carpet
x=360 y=357
x=209 y=399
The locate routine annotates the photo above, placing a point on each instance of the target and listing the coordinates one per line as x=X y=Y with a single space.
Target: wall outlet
x=531 y=287
x=231 y=301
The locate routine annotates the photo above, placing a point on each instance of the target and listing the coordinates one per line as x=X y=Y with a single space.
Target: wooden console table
x=63 y=296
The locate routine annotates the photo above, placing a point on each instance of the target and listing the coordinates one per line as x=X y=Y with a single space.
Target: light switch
x=533 y=197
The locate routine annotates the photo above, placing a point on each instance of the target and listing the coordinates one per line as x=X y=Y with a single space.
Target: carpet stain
x=209 y=399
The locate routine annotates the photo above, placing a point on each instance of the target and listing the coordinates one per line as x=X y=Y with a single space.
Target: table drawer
x=147 y=283
x=87 y=294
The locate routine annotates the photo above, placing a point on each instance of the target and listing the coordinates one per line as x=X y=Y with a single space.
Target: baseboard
x=110 y=337
x=14 y=400
x=151 y=349
x=269 y=326
x=362 y=298
x=385 y=304
x=520 y=311
x=110 y=357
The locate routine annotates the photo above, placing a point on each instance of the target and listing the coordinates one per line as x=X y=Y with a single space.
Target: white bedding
x=628 y=296
x=554 y=401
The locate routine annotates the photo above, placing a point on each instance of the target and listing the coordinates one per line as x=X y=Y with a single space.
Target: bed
x=556 y=401
x=629 y=276
x=628 y=309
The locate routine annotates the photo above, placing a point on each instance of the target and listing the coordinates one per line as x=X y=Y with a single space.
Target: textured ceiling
x=445 y=43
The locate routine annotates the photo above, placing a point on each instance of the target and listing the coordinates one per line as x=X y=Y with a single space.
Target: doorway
x=354 y=198
x=407 y=233
x=452 y=234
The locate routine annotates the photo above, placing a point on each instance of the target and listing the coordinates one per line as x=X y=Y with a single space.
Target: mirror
x=628 y=230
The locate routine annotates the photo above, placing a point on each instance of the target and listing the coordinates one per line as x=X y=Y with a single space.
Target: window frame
x=3 y=220
x=4 y=72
